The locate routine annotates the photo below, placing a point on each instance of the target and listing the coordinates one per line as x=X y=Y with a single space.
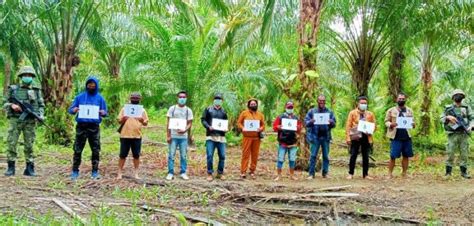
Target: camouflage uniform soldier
x=458 y=122
x=27 y=94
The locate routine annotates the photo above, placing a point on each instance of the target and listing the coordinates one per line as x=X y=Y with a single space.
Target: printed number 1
x=88 y=112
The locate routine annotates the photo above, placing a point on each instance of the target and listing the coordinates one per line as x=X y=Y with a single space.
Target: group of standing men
x=24 y=105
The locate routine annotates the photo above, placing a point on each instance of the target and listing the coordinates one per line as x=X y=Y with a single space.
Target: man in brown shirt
x=251 y=139
x=131 y=136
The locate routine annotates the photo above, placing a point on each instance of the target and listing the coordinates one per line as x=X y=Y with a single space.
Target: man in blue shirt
x=319 y=135
x=89 y=107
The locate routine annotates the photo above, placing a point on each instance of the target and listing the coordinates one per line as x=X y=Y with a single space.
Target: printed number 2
x=133 y=111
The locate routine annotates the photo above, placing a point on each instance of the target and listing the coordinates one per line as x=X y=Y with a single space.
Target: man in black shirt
x=215 y=137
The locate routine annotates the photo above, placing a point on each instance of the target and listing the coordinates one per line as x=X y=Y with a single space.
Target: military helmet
x=458 y=91
x=26 y=70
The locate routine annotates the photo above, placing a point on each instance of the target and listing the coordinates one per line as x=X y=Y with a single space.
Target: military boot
x=449 y=169
x=464 y=172
x=11 y=169
x=30 y=169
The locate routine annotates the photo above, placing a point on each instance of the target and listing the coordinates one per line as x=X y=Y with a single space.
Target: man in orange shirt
x=131 y=136
x=357 y=139
x=251 y=139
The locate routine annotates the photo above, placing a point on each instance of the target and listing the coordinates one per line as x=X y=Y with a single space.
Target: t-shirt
x=132 y=127
x=181 y=113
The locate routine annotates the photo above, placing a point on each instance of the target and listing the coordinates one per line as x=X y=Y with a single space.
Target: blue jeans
x=183 y=148
x=210 y=147
x=324 y=144
x=291 y=156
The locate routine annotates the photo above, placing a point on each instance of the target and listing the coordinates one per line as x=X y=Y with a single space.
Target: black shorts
x=130 y=143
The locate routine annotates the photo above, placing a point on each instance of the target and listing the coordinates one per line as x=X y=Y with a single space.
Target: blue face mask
x=182 y=101
x=289 y=111
x=217 y=102
x=27 y=80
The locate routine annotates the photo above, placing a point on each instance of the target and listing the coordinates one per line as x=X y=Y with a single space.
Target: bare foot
x=209 y=178
x=293 y=177
x=389 y=177
x=368 y=178
x=349 y=177
x=252 y=175
x=277 y=178
x=406 y=176
x=119 y=176
x=135 y=175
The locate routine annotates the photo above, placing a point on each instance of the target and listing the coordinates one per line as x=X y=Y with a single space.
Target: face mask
x=91 y=91
x=217 y=102
x=27 y=80
x=182 y=101
x=253 y=108
x=457 y=98
x=401 y=103
x=363 y=107
x=289 y=111
x=134 y=101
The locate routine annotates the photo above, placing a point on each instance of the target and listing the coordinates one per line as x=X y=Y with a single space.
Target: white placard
x=251 y=125
x=177 y=123
x=404 y=122
x=289 y=124
x=321 y=118
x=366 y=127
x=133 y=110
x=220 y=124
x=88 y=112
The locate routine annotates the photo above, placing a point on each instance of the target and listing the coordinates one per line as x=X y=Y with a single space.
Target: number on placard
x=251 y=125
x=88 y=112
x=133 y=111
x=404 y=122
x=219 y=125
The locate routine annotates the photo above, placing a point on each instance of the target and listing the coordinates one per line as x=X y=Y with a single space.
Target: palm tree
x=442 y=27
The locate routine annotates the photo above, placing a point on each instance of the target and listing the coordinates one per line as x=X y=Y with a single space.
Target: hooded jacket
x=85 y=98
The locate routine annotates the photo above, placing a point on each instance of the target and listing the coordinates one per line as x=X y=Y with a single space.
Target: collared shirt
x=353 y=121
x=391 y=116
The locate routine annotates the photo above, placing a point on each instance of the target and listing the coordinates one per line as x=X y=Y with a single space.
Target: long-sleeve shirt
x=213 y=113
x=391 y=116
x=250 y=115
x=277 y=123
x=319 y=132
x=353 y=121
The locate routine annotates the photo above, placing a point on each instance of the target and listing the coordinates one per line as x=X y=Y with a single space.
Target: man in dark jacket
x=89 y=107
x=319 y=135
x=215 y=137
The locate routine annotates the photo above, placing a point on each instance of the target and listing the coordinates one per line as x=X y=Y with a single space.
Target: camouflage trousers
x=458 y=142
x=27 y=127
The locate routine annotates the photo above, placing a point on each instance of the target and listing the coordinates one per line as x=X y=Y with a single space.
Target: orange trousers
x=250 y=150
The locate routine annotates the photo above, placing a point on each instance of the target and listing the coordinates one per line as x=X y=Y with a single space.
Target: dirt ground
x=425 y=197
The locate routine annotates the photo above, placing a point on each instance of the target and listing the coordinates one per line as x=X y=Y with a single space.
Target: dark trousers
x=87 y=132
x=135 y=144
x=364 y=146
